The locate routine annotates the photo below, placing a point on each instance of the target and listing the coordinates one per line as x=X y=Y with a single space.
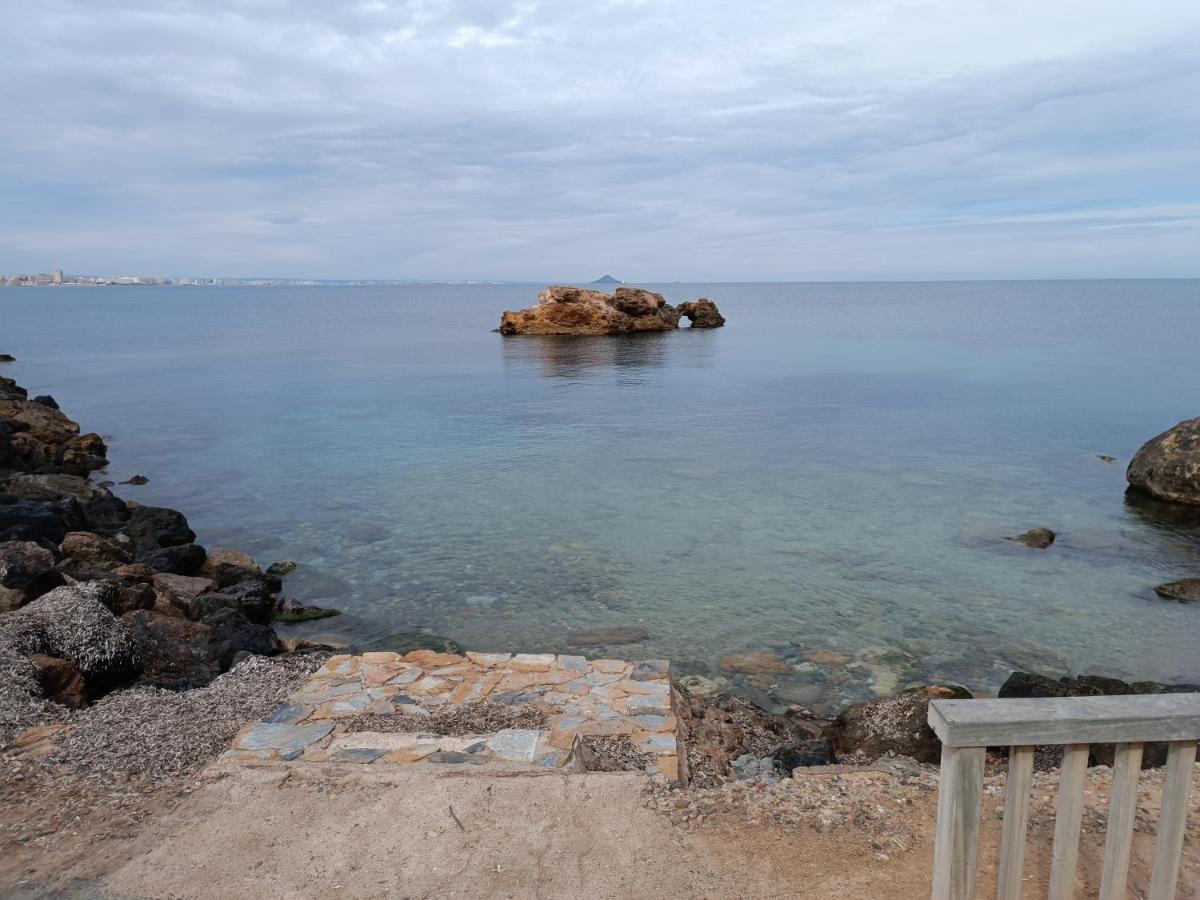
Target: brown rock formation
x=562 y=309
x=702 y=314
x=1168 y=466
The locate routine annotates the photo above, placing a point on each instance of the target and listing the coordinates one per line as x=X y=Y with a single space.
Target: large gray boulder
x=1168 y=465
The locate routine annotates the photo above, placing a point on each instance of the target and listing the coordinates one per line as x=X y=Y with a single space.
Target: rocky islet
x=563 y=309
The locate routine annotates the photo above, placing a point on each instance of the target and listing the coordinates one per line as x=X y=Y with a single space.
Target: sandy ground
x=342 y=833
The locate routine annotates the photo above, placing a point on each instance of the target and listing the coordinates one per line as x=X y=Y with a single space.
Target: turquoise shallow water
x=834 y=470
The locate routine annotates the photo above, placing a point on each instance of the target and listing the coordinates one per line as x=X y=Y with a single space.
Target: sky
x=658 y=140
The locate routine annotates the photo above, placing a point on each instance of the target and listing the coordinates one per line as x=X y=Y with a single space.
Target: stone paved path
x=575 y=697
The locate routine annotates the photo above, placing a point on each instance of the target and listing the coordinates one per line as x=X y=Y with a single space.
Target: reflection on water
x=572 y=356
x=830 y=477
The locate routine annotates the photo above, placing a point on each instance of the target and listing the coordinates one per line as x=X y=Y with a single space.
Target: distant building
x=56 y=277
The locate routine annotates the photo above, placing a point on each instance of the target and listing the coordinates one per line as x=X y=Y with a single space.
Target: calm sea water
x=834 y=470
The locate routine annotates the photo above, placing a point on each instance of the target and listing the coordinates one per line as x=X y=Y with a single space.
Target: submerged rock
x=1185 y=590
x=606 y=636
x=1037 y=538
x=1168 y=465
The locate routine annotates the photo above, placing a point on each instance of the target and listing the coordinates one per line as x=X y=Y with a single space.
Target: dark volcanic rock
x=703 y=314
x=1037 y=538
x=45 y=521
x=1028 y=684
x=1185 y=591
x=153 y=527
x=250 y=597
x=176 y=653
x=46 y=400
x=101 y=510
x=181 y=559
x=1168 y=465
x=1031 y=684
x=10 y=390
x=240 y=635
x=26 y=572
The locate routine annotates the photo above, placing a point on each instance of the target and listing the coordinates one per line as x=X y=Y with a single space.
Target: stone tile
x=332 y=692
x=531 y=662
x=651 y=670
x=617 y=666
x=287 y=714
x=572 y=663
x=342 y=664
x=648 y=688
x=429 y=659
x=518 y=744
x=376 y=657
x=457 y=757
x=376 y=740
x=462 y=668
x=519 y=681
x=596 y=679
x=430 y=684
x=271 y=736
x=348 y=706
x=489 y=660
x=409 y=754
x=355 y=754
x=655 y=723
x=407 y=676
x=639 y=705
x=655 y=743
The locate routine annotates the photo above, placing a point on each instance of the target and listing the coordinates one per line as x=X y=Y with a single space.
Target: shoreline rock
x=563 y=309
x=98 y=593
x=1168 y=465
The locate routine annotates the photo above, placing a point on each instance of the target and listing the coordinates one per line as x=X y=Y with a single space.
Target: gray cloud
x=658 y=140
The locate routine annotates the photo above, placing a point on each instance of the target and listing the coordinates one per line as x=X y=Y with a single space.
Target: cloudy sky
x=659 y=140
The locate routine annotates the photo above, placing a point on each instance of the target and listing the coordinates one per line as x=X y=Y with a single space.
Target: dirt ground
x=420 y=832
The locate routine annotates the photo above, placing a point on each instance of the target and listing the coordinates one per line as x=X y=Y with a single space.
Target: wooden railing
x=967 y=727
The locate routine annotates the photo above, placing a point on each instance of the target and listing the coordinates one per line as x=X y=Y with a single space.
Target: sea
x=832 y=478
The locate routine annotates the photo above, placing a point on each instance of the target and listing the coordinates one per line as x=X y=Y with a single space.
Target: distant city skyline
x=518 y=140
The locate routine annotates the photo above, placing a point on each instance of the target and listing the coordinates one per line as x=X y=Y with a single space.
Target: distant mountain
x=606 y=279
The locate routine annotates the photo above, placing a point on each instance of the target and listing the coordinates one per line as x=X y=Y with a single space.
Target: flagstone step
x=574 y=697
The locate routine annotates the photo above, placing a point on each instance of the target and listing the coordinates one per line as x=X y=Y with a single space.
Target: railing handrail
x=1066 y=720
x=967 y=727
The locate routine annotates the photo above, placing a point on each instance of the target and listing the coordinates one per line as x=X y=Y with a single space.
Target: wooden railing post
x=1176 y=793
x=960 y=801
x=967 y=727
x=1016 y=821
